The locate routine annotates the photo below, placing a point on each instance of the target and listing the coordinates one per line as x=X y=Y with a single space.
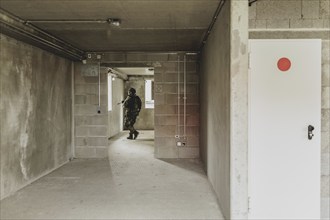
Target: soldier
x=132 y=108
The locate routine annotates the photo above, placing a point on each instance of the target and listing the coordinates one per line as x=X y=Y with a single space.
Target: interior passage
x=130 y=184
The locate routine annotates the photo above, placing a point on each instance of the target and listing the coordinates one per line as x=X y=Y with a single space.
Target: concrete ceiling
x=146 y=25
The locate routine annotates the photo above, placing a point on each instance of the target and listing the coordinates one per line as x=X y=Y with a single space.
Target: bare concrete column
x=239 y=109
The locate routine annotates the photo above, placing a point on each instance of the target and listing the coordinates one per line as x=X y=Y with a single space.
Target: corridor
x=224 y=144
x=131 y=184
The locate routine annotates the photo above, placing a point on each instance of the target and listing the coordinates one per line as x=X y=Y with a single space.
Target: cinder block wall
x=91 y=128
x=289 y=14
x=301 y=19
x=166 y=123
x=167 y=108
x=35 y=113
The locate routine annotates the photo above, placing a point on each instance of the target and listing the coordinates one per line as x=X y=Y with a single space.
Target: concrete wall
x=239 y=110
x=215 y=108
x=145 y=120
x=224 y=108
x=91 y=128
x=35 y=113
x=115 y=117
x=301 y=19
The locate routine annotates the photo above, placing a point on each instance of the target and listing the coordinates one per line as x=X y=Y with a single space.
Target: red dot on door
x=284 y=64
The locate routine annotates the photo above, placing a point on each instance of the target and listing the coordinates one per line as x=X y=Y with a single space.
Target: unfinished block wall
x=169 y=108
x=301 y=19
x=91 y=128
x=293 y=14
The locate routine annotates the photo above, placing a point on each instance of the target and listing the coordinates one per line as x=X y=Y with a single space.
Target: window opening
x=149 y=93
x=110 y=92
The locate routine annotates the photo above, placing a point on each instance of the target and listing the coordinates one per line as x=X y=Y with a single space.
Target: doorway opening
x=120 y=80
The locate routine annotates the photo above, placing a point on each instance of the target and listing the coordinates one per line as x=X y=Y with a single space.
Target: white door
x=284 y=100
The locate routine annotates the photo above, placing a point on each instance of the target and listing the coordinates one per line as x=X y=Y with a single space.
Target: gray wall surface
x=223 y=106
x=91 y=128
x=167 y=122
x=145 y=120
x=293 y=14
x=306 y=19
x=35 y=113
x=215 y=108
x=239 y=110
x=115 y=117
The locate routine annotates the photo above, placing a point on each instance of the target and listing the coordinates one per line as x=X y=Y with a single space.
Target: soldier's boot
x=130 y=136
x=136 y=133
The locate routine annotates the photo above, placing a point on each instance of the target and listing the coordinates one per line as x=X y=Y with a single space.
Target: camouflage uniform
x=132 y=107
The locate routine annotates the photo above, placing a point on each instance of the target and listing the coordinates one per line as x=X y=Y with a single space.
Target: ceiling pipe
x=209 y=29
x=113 y=21
x=19 y=29
x=65 y=21
x=216 y=14
x=13 y=31
x=144 y=52
x=35 y=28
x=252 y=1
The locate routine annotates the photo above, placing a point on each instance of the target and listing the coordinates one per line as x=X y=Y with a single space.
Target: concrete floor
x=131 y=184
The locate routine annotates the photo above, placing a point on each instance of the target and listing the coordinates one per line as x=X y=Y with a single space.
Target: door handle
x=310 y=132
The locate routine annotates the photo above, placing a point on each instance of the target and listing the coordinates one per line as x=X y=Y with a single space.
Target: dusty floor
x=131 y=184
